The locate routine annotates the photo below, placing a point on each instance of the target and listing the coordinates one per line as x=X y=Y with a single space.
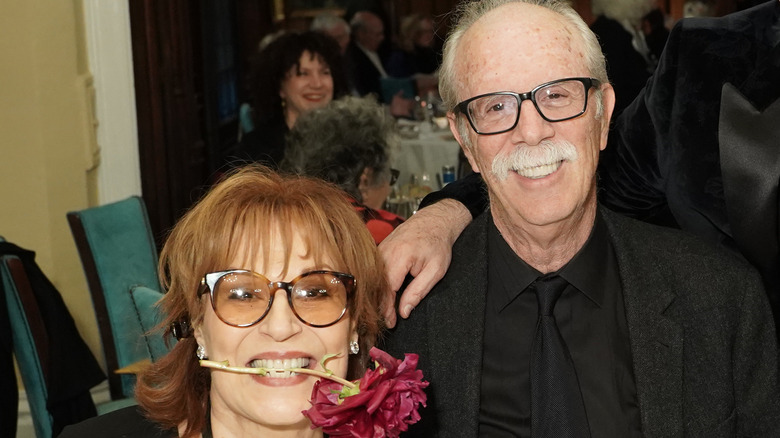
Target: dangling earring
x=354 y=348
x=201 y=352
x=284 y=103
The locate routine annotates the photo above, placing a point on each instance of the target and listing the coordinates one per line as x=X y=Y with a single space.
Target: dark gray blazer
x=702 y=337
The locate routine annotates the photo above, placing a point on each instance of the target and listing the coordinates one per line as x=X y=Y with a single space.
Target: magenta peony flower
x=383 y=405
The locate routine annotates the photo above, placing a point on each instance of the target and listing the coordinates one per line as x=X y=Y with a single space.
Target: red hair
x=250 y=206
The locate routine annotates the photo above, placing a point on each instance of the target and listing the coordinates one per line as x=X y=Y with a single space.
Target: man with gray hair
x=333 y=26
x=365 y=67
x=559 y=318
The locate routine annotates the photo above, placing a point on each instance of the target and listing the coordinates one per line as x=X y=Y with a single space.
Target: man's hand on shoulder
x=422 y=247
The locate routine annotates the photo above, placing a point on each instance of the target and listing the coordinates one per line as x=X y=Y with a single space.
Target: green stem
x=225 y=366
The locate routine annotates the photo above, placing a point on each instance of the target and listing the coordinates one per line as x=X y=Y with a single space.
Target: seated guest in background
x=656 y=33
x=222 y=266
x=365 y=65
x=293 y=74
x=698 y=8
x=559 y=318
x=350 y=143
x=333 y=26
x=415 y=54
x=617 y=25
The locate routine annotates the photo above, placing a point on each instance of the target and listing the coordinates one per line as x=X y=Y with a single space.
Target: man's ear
x=608 y=102
x=453 y=121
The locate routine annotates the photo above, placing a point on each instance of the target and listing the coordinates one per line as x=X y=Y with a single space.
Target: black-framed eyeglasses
x=556 y=101
x=242 y=298
x=394 y=173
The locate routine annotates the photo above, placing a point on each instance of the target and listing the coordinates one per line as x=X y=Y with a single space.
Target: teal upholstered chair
x=30 y=340
x=31 y=345
x=118 y=253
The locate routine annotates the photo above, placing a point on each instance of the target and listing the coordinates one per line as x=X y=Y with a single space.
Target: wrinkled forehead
x=516 y=47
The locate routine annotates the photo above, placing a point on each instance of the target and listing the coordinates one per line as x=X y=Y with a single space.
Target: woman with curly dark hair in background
x=293 y=74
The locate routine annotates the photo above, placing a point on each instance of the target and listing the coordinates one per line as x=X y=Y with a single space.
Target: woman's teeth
x=277 y=367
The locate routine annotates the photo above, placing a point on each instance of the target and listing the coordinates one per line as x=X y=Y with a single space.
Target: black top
x=265 y=144
x=72 y=368
x=128 y=422
x=363 y=75
x=402 y=63
x=592 y=320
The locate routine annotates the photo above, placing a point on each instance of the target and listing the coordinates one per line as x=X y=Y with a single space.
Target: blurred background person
x=333 y=26
x=253 y=228
x=293 y=74
x=415 y=53
x=698 y=8
x=365 y=65
x=617 y=23
x=656 y=34
x=350 y=143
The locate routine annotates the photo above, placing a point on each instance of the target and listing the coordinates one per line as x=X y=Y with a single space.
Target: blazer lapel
x=751 y=171
x=656 y=340
x=456 y=328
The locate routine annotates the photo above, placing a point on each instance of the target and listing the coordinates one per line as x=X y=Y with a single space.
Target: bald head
x=367 y=30
x=470 y=14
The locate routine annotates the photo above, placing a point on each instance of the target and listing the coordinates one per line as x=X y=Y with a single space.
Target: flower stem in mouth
x=225 y=366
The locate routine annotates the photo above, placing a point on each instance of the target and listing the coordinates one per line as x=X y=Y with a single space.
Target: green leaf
x=348 y=392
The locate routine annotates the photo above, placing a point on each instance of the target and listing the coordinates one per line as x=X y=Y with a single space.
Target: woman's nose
x=280 y=323
x=316 y=80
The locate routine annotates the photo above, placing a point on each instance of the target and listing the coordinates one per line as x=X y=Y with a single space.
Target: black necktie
x=557 y=409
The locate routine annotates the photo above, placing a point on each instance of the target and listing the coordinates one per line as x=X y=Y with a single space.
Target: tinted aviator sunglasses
x=242 y=298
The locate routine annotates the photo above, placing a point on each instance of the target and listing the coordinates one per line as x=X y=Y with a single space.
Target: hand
x=422 y=247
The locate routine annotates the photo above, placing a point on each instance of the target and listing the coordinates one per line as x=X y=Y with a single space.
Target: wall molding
x=109 y=47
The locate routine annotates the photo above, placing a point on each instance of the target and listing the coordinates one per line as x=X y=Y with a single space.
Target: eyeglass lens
x=499 y=112
x=243 y=298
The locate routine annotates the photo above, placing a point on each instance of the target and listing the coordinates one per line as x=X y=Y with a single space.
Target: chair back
x=118 y=253
x=30 y=340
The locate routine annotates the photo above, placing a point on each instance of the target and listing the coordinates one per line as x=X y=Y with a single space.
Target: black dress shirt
x=592 y=320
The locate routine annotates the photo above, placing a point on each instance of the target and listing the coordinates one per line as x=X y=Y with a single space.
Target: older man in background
x=364 y=64
x=333 y=26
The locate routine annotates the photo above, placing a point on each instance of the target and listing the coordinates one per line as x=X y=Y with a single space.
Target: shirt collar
x=584 y=271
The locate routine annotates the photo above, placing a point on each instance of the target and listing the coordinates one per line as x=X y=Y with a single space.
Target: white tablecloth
x=426 y=155
x=420 y=161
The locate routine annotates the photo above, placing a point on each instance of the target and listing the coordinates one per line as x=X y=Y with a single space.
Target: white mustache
x=524 y=158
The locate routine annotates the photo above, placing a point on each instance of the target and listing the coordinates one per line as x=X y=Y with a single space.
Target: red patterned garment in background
x=379 y=222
